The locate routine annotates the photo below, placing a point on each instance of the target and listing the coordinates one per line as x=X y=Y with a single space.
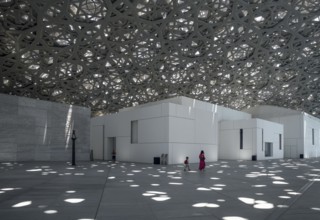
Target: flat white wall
x=311 y=141
x=178 y=100
x=229 y=136
x=270 y=111
x=97 y=137
x=293 y=134
x=35 y=130
x=256 y=133
x=190 y=131
x=174 y=100
x=231 y=114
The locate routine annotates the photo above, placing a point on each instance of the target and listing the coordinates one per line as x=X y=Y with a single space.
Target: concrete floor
x=228 y=190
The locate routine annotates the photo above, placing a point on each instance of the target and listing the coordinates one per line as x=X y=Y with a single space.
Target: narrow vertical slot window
x=280 y=141
x=312 y=136
x=262 y=139
x=241 y=138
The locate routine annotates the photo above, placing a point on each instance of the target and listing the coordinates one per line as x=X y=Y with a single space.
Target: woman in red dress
x=202 y=158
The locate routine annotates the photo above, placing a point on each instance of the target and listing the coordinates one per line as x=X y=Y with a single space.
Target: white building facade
x=178 y=127
x=35 y=130
x=251 y=139
x=301 y=130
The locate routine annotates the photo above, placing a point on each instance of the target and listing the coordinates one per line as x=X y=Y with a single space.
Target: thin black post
x=74 y=147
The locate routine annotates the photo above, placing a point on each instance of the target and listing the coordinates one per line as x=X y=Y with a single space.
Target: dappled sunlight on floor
x=74 y=200
x=49 y=212
x=205 y=204
x=22 y=204
x=106 y=190
x=44 y=186
x=263 y=180
x=233 y=218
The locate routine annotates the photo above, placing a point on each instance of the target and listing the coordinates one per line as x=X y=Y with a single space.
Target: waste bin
x=254 y=157
x=156 y=160
x=301 y=156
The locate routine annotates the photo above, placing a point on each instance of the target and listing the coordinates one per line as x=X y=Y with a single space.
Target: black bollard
x=73 y=147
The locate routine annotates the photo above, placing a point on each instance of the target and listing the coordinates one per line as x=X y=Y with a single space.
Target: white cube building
x=254 y=139
x=178 y=127
x=301 y=130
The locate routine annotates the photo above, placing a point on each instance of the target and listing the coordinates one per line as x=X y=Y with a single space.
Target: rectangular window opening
x=241 y=138
x=134 y=132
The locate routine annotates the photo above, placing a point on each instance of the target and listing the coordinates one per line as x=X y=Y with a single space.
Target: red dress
x=202 y=164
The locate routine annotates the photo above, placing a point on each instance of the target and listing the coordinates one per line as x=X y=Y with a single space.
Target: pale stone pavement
x=229 y=190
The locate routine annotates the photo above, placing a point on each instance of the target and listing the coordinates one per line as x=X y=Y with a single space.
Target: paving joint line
x=278 y=213
x=102 y=193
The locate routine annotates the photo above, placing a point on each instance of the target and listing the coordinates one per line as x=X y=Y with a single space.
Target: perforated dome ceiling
x=113 y=54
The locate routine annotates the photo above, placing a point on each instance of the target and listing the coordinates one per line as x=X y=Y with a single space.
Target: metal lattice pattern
x=113 y=54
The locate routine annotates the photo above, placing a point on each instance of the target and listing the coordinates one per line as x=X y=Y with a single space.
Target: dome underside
x=108 y=55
